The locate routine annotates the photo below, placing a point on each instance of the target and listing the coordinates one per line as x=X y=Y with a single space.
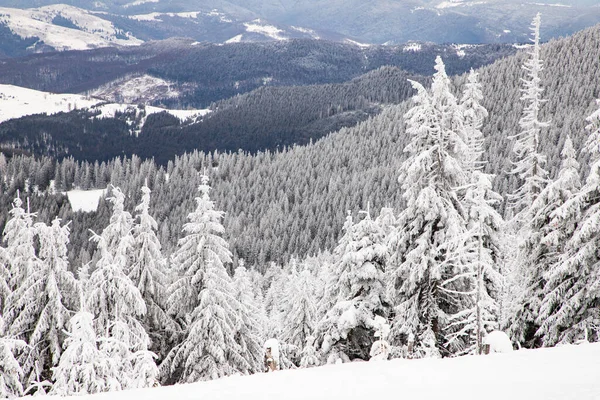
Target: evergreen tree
x=203 y=296
x=299 y=321
x=202 y=243
x=83 y=368
x=210 y=349
x=116 y=303
x=349 y=326
x=331 y=277
x=40 y=305
x=12 y=373
x=118 y=234
x=542 y=248
x=473 y=114
x=433 y=217
x=252 y=319
x=149 y=275
x=570 y=307
x=309 y=356
x=479 y=254
x=529 y=165
x=19 y=236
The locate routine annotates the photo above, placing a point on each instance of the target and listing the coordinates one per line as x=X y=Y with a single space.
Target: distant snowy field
x=561 y=373
x=85 y=200
x=16 y=102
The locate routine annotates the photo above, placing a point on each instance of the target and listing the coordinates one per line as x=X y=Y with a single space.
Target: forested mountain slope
x=290 y=93
x=207 y=73
x=294 y=202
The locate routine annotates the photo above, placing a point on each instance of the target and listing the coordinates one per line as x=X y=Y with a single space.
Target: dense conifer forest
x=471 y=206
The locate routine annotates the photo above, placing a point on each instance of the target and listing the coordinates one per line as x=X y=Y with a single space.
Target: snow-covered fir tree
x=19 y=238
x=529 y=164
x=203 y=297
x=202 y=243
x=210 y=350
x=473 y=114
x=541 y=249
x=12 y=373
x=348 y=327
x=309 y=355
x=570 y=308
x=118 y=234
x=433 y=217
x=299 y=319
x=83 y=368
x=479 y=253
x=116 y=303
x=252 y=318
x=149 y=274
x=331 y=278
x=39 y=306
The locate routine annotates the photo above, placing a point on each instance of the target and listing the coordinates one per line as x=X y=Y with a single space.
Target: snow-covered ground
x=16 y=102
x=91 y=31
x=257 y=26
x=561 y=373
x=85 y=200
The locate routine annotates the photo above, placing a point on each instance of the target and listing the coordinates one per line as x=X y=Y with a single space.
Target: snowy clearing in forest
x=566 y=372
x=85 y=200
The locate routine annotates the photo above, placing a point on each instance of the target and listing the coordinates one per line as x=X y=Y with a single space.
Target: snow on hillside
x=87 y=31
x=256 y=26
x=412 y=47
x=157 y=16
x=16 y=102
x=136 y=89
x=139 y=3
x=561 y=373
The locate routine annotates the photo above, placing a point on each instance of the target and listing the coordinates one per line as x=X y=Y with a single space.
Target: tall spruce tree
x=473 y=114
x=203 y=298
x=202 y=243
x=529 y=164
x=116 y=303
x=40 y=306
x=542 y=249
x=570 y=308
x=479 y=252
x=299 y=320
x=252 y=329
x=149 y=274
x=432 y=218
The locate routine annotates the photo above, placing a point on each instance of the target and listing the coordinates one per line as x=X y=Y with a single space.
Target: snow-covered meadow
x=16 y=102
x=560 y=373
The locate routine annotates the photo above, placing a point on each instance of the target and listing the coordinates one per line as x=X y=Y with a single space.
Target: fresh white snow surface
x=85 y=200
x=561 y=373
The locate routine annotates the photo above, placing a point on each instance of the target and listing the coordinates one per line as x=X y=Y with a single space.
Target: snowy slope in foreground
x=16 y=102
x=568 y=372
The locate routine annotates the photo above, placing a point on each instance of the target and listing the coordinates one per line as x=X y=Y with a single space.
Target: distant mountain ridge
x=377 y=21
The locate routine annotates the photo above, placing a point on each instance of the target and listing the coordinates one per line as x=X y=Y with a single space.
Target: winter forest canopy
x=459 y=234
